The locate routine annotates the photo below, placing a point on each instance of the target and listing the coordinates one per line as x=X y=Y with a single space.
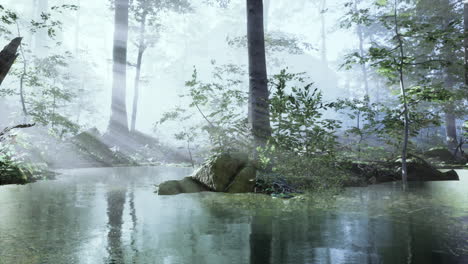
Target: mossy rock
x=244 y=181
x=421 y=170
x=440 y=154
x=227 y=172
x=187 y=185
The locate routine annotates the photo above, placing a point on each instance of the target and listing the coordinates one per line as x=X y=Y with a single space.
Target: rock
x=220 y=170
x=227 y=172
x=380 y=172
x=420 y=170
x=87 y=149
x=187 y=185
x=244 y=181
x=440 y=154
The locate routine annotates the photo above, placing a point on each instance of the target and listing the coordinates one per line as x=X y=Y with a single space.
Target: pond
x=112 y=215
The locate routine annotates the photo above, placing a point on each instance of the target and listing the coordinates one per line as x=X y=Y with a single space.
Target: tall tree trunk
x=465 y=17
x=141 y=50
x=450 y=120
x=362 y=53
x=451 y=129
x=404 y=151
x=8 y=56
x=323 y=8
x=259 y=113
x=449 y=109
x=118 y=124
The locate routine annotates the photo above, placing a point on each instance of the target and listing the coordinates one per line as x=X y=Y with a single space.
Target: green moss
x=21 y=173
x=92 y=147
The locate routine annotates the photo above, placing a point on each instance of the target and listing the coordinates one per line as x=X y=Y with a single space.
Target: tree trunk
x=259 y=113
x=451 y=130
x=450 y=120
x=465 y=16
x=8 y=56
x=404 y=151
x=362 y=53
x=118 y=124
x=323 y=7
x=136 y=93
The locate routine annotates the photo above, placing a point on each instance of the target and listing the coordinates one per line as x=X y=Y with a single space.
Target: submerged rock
x=187 y=185
x=226 y=172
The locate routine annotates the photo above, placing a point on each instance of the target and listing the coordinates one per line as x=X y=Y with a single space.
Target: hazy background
x=185 y=41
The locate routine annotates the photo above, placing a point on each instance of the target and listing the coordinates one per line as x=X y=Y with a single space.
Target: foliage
x=220 y=105
x=297 y=117
x=48 y=77
x=379 y=126
x=416 y=52
x=13 y=166
x=275 y=41
x=302 y=149
x=51 y=95
x=10 y=21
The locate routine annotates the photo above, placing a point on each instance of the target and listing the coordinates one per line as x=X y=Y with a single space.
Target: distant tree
x=401 y=55
x=118 y=123
x=146 y=14
x=444 y=19
x=259 y=114
x=11 y=24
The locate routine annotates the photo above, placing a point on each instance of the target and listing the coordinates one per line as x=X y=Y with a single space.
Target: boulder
x=220 y=170
x=187 y=185
x=226 y=172
x=244 y=181
x=420 y=170
x=380 y=172
x=440 y=154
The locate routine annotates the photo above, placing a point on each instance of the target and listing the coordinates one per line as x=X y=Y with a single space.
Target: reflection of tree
x=260 y=239
x=115 y=207
x=134 y=224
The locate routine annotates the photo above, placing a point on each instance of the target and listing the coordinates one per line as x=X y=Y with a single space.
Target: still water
x=112 y=215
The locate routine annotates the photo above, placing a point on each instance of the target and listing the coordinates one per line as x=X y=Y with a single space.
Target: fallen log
x=7 y=56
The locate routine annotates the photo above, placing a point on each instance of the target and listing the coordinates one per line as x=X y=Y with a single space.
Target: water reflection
x=113 y=216
x=260 y=239
x=115 y=207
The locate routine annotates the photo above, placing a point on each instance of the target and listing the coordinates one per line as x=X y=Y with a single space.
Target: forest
x=249 y=131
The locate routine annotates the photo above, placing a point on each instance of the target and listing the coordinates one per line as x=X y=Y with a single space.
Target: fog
x=184 y=41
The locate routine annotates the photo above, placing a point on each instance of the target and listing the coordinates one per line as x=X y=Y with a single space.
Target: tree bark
x=451 y=130
x=465 y=17
x=404 y=151
x=361 y=53
x=323 y=7
x=450 y=119
x=118 y=124
x=259 y=113
x=8 y=56
x=136 y=93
